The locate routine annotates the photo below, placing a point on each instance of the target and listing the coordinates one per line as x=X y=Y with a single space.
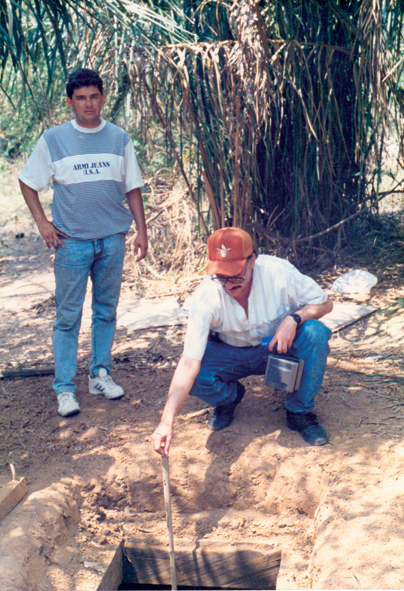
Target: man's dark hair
x=80 y=78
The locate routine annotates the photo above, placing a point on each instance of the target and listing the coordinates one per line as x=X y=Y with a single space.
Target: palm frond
x=275 y=113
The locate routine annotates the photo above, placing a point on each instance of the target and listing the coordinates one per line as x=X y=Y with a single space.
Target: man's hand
x=161 y=438
x=286 y=331
x=181 y=384
x=284 y=335
x=140 y=243
x=51 y=234
x=46 y=229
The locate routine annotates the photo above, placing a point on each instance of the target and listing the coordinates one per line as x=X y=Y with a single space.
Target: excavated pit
x=137 y=565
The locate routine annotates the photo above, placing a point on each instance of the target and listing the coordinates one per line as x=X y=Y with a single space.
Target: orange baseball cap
x=228 y=250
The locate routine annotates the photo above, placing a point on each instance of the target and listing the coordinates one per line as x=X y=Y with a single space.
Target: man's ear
x=253 y=259
x=69 y=102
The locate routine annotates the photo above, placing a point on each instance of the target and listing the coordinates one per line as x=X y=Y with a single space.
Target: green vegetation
x=275 y=113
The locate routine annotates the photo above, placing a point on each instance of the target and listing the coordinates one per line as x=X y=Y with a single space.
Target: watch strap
x=296 y=318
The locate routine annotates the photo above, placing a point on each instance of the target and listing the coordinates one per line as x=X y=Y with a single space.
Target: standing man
x=242 y=299
x=93 y=168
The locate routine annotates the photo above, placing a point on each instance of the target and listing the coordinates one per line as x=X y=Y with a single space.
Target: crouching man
x=243 y=298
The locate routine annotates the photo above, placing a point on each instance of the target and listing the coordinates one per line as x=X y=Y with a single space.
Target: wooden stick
x=166 y=485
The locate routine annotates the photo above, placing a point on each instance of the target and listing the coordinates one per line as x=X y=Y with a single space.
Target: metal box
x=283 y=372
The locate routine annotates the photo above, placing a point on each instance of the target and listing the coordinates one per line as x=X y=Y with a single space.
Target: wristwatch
x=296 y=318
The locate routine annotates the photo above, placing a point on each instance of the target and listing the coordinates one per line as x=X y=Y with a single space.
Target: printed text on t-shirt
x=91 y=168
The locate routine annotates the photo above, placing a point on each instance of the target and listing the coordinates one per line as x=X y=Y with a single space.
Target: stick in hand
x=166 y=485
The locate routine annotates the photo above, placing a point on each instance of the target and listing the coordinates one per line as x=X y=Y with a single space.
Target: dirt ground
x=337 y=512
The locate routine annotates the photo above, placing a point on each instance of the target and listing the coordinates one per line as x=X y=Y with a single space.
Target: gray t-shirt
x=91 y=170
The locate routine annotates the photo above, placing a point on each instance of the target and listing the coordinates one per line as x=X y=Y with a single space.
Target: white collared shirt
x=278 y=289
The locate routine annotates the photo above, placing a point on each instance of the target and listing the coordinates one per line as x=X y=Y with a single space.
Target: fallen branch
x=27 y=372
x=351 y=217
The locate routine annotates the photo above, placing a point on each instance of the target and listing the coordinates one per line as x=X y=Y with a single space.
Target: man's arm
x=46 y=229
x=181 y=384
x=135 y=203
x=286 y=331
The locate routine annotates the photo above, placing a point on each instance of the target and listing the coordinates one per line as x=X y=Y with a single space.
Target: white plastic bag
x=355 y=281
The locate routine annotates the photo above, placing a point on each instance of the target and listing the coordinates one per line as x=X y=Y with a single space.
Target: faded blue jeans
x=222 y=365
x=102 y=260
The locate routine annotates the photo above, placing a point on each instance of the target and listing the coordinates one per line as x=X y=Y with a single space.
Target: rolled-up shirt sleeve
x=197 y=333
x=304 y=290
x=201 y=316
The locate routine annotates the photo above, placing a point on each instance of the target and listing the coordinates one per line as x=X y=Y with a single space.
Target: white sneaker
x=104 y=384
x=68 y=404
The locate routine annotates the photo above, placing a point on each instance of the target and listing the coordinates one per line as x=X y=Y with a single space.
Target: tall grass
x=275 y=113
x=289 y=115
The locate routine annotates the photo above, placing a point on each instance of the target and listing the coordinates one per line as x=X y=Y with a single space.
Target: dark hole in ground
x=148 y=568
x=202 y=565
x=125 y=586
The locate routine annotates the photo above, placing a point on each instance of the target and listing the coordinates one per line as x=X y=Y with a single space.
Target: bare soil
x=337 y=512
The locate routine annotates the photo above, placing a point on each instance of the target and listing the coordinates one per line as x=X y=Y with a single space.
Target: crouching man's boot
x=308 y=426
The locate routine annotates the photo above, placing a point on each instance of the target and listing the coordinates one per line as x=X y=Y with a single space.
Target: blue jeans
x=222 y=365
x=102 y=260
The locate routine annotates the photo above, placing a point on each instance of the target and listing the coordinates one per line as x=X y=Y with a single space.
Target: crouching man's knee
x=313 y=335
x=316 y=330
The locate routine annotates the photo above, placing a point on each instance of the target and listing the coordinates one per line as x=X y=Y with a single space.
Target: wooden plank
x=345 y=314
x=236 y=567
x=113 y=577
x=11 y=494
